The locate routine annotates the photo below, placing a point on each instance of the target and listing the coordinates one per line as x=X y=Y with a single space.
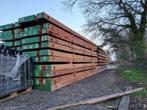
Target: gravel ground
x=104 y=83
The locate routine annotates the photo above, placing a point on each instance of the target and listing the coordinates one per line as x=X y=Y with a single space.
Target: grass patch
x=137 y=75
x=141 y=93
x=134 y=74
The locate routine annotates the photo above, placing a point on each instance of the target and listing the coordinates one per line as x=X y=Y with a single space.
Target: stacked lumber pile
x=60 y=55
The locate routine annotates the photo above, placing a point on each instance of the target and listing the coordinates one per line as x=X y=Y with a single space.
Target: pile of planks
x=60 y=55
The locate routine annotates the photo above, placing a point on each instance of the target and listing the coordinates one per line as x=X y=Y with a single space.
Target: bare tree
x=127 y=19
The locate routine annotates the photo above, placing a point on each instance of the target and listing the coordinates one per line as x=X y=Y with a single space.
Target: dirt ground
x=104 y=83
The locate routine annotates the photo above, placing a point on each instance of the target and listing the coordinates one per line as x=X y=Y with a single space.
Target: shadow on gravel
x=104 y=83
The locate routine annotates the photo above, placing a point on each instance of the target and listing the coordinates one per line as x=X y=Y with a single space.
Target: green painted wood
x=31 y=31
x=9 y=44
x=16 y=43
x=30 y=40
x=6 y=27
x=35 y=59
x=27 y=19
x=44 y=38
x=30 y=46
x=17 y=36
x=43 y=84
x=17 y=24
x=16 y=31
x=45 y=44
x=6 y=35
x=44 y=59
x=42 y=70
x=42 y=15
x=43 y=52
x=31 y=53
x=41 y=73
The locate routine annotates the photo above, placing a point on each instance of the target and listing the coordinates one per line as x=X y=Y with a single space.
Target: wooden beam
x=97 y=100
x=125 y=101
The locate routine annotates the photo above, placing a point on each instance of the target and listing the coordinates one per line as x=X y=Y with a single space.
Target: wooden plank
x=58 y=41
x=59 y=59
x=62 y=66
x=63 y=78
x=97 y=100
x=52 y=45
x=62 y=81
x=73 y=70
x=52 y=20
x=80 y=75
x=59 y=47
x=15 y=94
x=62 y=72
x=85 y=74
x=59 y=53
x=91 y=72
x=78 y=47
x=125 y=101
x=79 y=51
x=67 y=66
x=56 y=31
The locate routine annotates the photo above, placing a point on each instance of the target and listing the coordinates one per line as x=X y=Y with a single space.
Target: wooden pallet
x=15 y=94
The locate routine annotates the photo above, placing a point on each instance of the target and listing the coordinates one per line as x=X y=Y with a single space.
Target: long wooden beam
x=97 y=100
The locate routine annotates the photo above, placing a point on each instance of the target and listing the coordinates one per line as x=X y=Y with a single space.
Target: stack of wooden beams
x=60 y=55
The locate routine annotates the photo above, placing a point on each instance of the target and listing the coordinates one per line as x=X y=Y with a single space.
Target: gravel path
x=104 y=83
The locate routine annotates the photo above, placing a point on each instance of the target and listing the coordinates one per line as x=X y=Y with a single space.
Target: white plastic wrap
x=13 y=69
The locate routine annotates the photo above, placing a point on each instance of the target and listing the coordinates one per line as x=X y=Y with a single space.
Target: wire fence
x=15 y=71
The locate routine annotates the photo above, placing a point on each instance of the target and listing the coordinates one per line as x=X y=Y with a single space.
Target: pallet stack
x=60 y=55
